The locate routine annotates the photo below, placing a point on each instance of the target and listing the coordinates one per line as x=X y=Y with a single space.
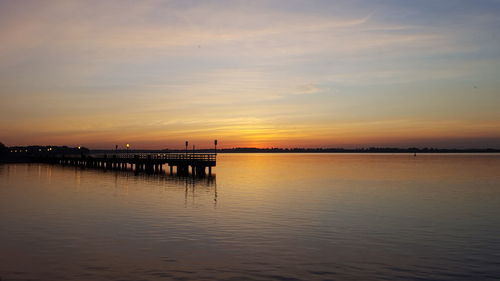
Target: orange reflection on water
x=290 y=214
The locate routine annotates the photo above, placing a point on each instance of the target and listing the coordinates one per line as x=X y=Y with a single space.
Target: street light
x=215 y=143
x=127 y=146
x=187 y=143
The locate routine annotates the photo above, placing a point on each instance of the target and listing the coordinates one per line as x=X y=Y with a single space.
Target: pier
x=195 y=164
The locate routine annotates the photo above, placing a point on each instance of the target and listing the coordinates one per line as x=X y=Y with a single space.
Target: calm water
x=264 y=217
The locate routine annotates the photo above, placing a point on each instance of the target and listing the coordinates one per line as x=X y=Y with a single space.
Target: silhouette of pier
x=183 y=163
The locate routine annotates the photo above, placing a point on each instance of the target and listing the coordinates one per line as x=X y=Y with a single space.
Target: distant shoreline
x=30 y=154
x=304 y=150
x=26 y=153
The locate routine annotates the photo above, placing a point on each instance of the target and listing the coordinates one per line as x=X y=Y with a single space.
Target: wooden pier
x=183 y=163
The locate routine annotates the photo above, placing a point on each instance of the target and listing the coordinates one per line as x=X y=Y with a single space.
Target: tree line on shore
x=313 y=150
x=22 y=154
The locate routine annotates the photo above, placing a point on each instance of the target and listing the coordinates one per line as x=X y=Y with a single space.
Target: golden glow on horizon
x=349 y=135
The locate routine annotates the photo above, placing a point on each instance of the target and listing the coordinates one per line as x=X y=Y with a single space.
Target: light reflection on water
x=265 y=217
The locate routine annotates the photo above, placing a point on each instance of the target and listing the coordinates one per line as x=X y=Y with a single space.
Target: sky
x=250 y=73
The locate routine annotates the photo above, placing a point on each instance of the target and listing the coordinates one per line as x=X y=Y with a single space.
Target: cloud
x=307 y=89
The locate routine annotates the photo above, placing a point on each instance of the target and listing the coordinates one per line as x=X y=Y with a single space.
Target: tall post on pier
x=215 y=150
x=193 y=169
x=187 y=143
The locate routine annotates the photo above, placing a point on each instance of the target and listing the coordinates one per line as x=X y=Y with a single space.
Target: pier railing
x=162 y=156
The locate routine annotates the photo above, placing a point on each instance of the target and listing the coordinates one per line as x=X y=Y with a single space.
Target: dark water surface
x=264 y=217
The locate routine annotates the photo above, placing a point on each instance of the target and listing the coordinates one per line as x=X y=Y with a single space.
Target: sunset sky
x=250 y=73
